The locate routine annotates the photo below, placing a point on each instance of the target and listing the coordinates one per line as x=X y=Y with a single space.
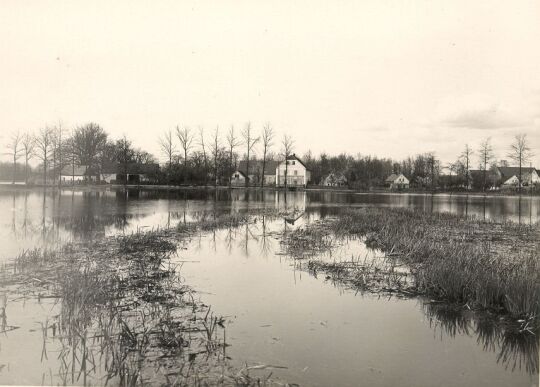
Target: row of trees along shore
x=194 y=157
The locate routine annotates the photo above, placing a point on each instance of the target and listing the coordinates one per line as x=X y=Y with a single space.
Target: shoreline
x=157 y=187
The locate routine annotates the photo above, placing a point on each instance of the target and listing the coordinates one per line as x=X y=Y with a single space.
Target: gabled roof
x=295 y=158
x=391 y=178
x=131 y=168
x=508 y=172
x=78 y=170
x=255 y=166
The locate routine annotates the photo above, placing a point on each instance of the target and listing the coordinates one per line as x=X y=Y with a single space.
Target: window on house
x=293 y=162
x=296 y=172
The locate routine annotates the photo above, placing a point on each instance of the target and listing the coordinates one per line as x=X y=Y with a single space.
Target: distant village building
x=397 y=182
x=334 y=179
x=509 y=176
x=298 y=175
x=255 y=175
x=77 y=174
x=132 y=173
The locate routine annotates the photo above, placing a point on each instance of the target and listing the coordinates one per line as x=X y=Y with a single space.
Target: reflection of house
x=254 y=176
x=297 y=173
x=335 y=179
x=397 y=182
x=509 y=176
x=77 y=174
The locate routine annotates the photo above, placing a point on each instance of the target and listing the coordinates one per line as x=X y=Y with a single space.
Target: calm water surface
x=277 y=314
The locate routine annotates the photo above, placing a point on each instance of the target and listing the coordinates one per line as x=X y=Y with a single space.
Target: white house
x=509 y=176
x=76 y=174
x=397 y=181
x=297 y=173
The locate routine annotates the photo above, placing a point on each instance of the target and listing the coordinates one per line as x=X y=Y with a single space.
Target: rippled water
x=277 y=313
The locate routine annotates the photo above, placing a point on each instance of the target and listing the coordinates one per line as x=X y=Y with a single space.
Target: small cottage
x=334 y=179
x=397 y=182
x=509 y=176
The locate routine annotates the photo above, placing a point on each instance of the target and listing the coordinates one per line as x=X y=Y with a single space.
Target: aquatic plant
x=462 y=260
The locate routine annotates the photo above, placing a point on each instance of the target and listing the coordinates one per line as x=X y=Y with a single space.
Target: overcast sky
x=373 y=77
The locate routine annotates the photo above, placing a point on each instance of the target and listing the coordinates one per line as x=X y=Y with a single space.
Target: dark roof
x=391 y=178
x=294 y=157
x=78 y=170
x=508 y=172
x=255 y=166
x=131 y=168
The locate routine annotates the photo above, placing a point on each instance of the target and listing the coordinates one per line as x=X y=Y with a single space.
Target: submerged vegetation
x=480 y=264
x=125 y=316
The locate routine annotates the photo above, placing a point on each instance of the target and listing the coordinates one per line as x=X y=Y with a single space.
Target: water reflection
x=515 y=350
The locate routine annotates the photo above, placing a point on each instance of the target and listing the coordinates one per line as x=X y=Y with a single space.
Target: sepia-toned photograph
x=270 y=193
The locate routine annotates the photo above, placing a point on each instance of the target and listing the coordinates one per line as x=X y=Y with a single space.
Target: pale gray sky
x=389 y=78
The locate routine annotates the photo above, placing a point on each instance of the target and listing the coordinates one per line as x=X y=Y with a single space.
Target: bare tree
x=267 y=138
x=249 y=142
x=287 y=144
x=485 y=154
x=58 y=148
x=168 y=148
x=15 y=150
x=215 y=154
x=520 y=152
x=28 y=144
x=466 y=161
x=232 y=143
x=124 y=156
x=205 y=156
x=44 y=149
x=186 y=141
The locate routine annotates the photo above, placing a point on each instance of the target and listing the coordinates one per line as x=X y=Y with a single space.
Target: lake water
x=276 y=312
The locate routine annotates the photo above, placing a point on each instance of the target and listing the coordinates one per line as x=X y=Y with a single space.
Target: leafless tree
x=232 y=143
x=58 y=150
x=28 y=145
x=249 y=142
x=215 y=154
x=15 y=150
x=466 y=161
x=485 y=154
x=186 y=141
x=168 y=148
x=267 y=138
x=287 y=146
x=43 y=149
x=205 y=157
x=520 y=152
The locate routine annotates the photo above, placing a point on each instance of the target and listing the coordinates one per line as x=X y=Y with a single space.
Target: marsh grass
x=481 y=264
x=125 y=315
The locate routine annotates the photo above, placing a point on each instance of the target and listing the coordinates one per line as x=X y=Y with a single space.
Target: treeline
x=196 y=157
x=56 y=148
x=365 y=172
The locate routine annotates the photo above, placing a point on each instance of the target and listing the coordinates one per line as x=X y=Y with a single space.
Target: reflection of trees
x=516 y=350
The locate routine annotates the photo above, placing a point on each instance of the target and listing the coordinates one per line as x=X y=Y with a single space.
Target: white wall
x=296 y=173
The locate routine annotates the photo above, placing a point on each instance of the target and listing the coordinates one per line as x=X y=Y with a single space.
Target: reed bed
x=480 y=264
x=125 y=316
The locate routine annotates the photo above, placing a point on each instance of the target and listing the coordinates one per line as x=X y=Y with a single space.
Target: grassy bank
x=481 y=264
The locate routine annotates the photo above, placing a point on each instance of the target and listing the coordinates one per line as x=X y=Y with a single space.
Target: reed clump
x=125 y=315
x=461 y=260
